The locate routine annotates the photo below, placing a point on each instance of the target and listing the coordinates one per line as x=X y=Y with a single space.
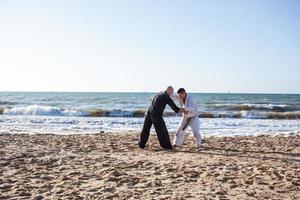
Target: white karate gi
x=190 y=106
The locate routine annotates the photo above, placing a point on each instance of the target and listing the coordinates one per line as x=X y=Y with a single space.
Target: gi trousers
x=160 y=129
x=194 y=123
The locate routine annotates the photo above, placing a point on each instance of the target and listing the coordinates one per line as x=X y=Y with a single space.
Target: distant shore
x=110 y=166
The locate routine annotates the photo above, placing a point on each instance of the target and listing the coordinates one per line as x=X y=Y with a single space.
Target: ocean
x=78 y=113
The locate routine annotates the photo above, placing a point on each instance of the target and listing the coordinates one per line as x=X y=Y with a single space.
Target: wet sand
x=110 y=166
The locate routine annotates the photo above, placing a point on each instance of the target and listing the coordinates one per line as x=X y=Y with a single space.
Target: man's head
x=170 y=90
x=181 y=93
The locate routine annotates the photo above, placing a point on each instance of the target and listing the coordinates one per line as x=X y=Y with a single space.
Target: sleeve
x=192 y=108
x=171 y=103
x=175 y=97
x=180 y=103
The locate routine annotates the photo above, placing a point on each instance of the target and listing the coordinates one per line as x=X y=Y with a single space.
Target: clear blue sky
x=136 y=45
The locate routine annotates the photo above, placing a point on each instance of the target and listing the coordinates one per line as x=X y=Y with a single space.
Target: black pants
x=160 y=128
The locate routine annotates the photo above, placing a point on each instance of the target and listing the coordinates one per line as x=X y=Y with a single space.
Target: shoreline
x=188 y=133
x=111 y=166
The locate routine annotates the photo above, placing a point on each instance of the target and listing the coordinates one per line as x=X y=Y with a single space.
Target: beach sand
x=110 y=166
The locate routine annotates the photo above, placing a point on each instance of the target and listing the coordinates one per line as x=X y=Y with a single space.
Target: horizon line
x=28 y=91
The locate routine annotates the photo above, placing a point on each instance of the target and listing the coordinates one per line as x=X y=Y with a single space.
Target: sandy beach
x=110 y=166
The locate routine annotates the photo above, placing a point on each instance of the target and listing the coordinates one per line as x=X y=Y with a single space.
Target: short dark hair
x=180 y=90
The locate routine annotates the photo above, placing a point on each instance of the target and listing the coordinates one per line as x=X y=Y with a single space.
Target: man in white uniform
x=190 y=118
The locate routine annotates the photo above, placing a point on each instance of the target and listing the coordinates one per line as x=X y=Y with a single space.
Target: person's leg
x=145 y=131
x=179 y=135
x=195 y=126
x=162 y=133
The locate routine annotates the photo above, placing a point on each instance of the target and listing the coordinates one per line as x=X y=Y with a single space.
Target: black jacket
x=159 y=103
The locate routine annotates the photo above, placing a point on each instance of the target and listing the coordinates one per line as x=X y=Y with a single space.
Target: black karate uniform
x=154 y=116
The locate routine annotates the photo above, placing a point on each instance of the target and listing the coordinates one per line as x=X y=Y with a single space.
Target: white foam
x=253 y=115
x=120 y=113
x=81 y=125
x=41 y=110
x=5 y=132
x=253 y=105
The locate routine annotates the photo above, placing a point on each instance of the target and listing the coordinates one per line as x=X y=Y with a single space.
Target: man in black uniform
x=154 y=116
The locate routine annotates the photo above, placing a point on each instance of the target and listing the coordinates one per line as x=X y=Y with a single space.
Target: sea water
x=79 y=113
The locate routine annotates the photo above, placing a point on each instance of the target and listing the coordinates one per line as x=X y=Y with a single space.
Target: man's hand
x=186 y=112
x=181 y=110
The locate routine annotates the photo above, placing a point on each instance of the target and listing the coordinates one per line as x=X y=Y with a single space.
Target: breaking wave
x=252 y=115
x=56 y=111
x=255 y=107
x=40 y=110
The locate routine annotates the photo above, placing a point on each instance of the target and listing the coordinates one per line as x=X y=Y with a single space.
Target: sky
x=145 y=45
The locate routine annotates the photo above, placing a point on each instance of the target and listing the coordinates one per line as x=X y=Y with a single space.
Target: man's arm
x=171 y=103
